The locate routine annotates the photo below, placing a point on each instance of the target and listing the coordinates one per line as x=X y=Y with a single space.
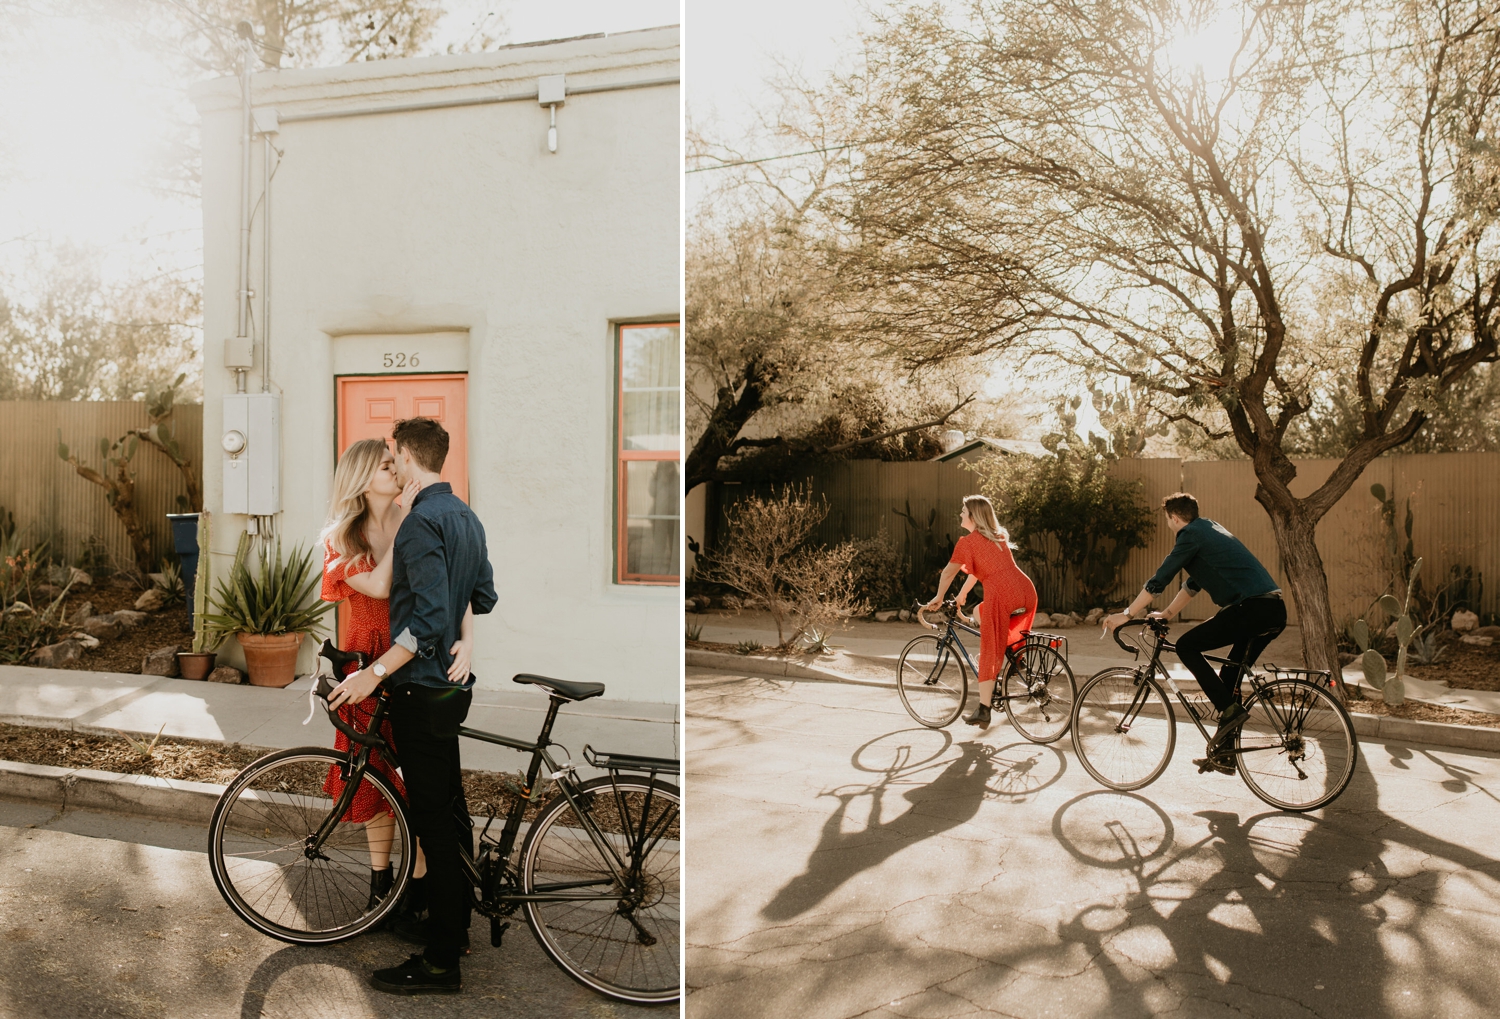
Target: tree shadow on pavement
x=949 y=798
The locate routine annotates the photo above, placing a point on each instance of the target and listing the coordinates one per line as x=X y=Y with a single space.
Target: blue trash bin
x=185 y=544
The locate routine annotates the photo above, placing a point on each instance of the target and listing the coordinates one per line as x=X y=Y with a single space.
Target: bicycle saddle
x=561 y=687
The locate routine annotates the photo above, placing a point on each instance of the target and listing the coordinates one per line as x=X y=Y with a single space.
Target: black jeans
x=425 y=721
x=1249 y=626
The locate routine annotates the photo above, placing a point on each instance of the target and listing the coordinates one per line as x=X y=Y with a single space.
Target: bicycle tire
x=1298 y=749
x=256 y=852
x=925 y=679
x=1039 y=696
x=1125 y=758
x=595 y=941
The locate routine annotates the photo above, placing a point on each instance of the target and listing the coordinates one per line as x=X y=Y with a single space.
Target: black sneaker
x=380 y=886
x=1230 y=720
x=1223 y=765
x=416 y=976
x=980 y=716
x=414 y=931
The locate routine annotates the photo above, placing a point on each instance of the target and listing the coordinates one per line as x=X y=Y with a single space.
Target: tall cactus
x=1392 y=688
x=203 y=639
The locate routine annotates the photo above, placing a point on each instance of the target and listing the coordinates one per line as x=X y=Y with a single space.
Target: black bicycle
x=1036 y=686
x=597 y=872
x=1296 y=750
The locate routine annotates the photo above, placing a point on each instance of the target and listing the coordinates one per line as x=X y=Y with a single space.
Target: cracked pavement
x=844 y=861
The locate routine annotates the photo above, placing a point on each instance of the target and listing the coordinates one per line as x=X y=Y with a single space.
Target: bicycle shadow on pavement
x=942 y=794
x=1279 y=908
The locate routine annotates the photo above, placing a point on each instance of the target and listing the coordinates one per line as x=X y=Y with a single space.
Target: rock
x=226 y=674
x=103 y=627
x=84 y=611
x=89 y=643
x=46 y=592
x=129 y=618
x=1477 y=640
x=1492 y=632
x=1464 y=622
x=1094 y=615
x=20 y=608
x=161 y=662
x=905 y=615
x=80 y=579
x=1390 y=631
x=1042 y=619
x=690 y=604
x=58 y=656
x=151 y=600
x=886 y=615
x=732 y=603
x=1063 y=623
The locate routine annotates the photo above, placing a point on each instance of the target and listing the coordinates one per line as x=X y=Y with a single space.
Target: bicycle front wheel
x=1124 y=730
x=1297 y=750
x=611 y=858
x=1039 y=695
x=263 y=858
x=932 y=681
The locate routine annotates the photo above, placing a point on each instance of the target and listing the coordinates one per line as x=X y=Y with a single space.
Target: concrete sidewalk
x=104 y=702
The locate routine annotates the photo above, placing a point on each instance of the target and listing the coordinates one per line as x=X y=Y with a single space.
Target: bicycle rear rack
x=1052 y=640
x=629 y=762
x=1317 y=677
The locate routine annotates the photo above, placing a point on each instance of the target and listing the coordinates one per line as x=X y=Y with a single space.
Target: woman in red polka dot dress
x=363 y=519
x=1009 y=603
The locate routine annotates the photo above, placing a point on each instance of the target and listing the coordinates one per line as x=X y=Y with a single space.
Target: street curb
x=1374 y=727
x=166 y=799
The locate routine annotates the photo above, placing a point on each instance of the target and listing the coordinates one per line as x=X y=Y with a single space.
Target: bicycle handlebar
x=949 y=609
x=326 y=686
x=1158 y=627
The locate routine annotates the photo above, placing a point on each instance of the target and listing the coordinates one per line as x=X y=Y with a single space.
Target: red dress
x=1006 y=588
x=369 y=632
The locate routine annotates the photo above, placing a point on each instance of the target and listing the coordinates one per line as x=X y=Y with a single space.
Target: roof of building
x=987 y=444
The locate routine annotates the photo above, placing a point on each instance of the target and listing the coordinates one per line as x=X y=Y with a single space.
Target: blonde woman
x=363 y=518
x=985 y=554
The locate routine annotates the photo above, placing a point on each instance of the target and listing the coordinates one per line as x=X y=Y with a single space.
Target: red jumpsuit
x=369 y=632
x=1006 y=588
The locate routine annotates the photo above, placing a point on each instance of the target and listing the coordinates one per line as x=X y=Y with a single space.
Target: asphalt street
x=846 y=862
x=112 y=916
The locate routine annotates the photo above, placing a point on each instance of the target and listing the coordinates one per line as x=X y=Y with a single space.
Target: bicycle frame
x=949 y=637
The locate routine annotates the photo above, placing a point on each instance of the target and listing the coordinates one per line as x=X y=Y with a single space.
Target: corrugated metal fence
x=51 y=502
x=1454 y=498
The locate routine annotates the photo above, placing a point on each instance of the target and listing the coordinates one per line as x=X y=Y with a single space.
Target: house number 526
x=400 y=361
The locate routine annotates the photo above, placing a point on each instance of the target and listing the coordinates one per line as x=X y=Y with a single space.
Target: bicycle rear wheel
x=1039 y=695
x=1297 y=750
x=619 y=934
x=1124 y=730
x=932 y=681
x=258 y=851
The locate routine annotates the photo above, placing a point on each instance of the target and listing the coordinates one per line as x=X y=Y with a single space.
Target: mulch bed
x=217 y=763
x=1420 y=712
x=735 y=649
x=1464 y=667
x=170 y=627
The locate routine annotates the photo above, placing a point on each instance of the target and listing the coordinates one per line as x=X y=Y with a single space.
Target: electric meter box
x=252 y=453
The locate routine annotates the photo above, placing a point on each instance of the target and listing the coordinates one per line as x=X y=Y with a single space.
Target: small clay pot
x=196 y=664
x=271 y=658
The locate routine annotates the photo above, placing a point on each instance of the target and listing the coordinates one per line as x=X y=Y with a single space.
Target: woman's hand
x=463 y=655
x=408 y=494
x=354 y=689
x=1115 y=621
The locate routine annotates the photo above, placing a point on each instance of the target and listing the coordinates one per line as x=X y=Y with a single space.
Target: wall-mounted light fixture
x=551 y=91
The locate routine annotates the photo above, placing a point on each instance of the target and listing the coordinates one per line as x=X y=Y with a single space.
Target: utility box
x=252 y=453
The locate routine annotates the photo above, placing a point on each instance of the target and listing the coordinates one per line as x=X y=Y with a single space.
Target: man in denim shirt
x=439 y=572
x=1251 y=611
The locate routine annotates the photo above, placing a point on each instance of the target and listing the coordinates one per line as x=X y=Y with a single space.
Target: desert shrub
x=767 y=554
x=879 y=571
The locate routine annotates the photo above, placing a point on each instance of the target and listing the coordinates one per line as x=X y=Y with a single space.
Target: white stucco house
x=493 y=240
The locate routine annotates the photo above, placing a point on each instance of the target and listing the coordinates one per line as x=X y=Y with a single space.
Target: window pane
x=652 y=517
x=650 y=385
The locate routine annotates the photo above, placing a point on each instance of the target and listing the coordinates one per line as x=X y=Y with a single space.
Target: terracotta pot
x=271 y=658
x=196 y=664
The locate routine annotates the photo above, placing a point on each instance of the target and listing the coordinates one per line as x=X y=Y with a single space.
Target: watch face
x=379 y=670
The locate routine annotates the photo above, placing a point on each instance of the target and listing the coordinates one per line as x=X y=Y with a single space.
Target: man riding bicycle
x=1251 y=611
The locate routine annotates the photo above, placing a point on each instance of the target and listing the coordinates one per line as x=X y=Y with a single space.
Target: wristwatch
x=379 y=669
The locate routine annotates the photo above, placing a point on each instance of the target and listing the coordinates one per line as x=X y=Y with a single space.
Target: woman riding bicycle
x=1009 y=605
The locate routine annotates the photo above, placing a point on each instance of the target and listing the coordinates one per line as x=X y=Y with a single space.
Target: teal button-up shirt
x=1216 y=561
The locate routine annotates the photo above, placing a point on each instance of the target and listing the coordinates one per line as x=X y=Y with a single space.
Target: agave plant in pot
x=270 y=607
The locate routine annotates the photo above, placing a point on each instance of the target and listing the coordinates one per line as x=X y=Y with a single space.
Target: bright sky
x=84 y=115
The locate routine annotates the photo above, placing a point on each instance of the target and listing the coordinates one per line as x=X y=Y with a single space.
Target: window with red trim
x=648 y=445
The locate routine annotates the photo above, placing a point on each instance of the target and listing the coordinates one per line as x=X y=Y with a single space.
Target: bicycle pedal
x=497 y=931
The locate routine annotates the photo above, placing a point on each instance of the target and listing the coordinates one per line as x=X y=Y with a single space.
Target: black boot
x=980 y=716
x=380 y=886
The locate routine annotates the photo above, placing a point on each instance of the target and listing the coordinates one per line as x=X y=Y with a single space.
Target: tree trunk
x=1295 y=534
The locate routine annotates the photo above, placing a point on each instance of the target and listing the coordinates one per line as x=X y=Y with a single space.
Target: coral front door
x=370 y=406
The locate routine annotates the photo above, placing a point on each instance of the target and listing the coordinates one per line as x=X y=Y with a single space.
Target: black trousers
x=1248 y=626
x=425 y=721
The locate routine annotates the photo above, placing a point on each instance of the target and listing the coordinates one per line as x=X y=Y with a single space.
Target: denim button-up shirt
x=1216 y=562
x=441 y=568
